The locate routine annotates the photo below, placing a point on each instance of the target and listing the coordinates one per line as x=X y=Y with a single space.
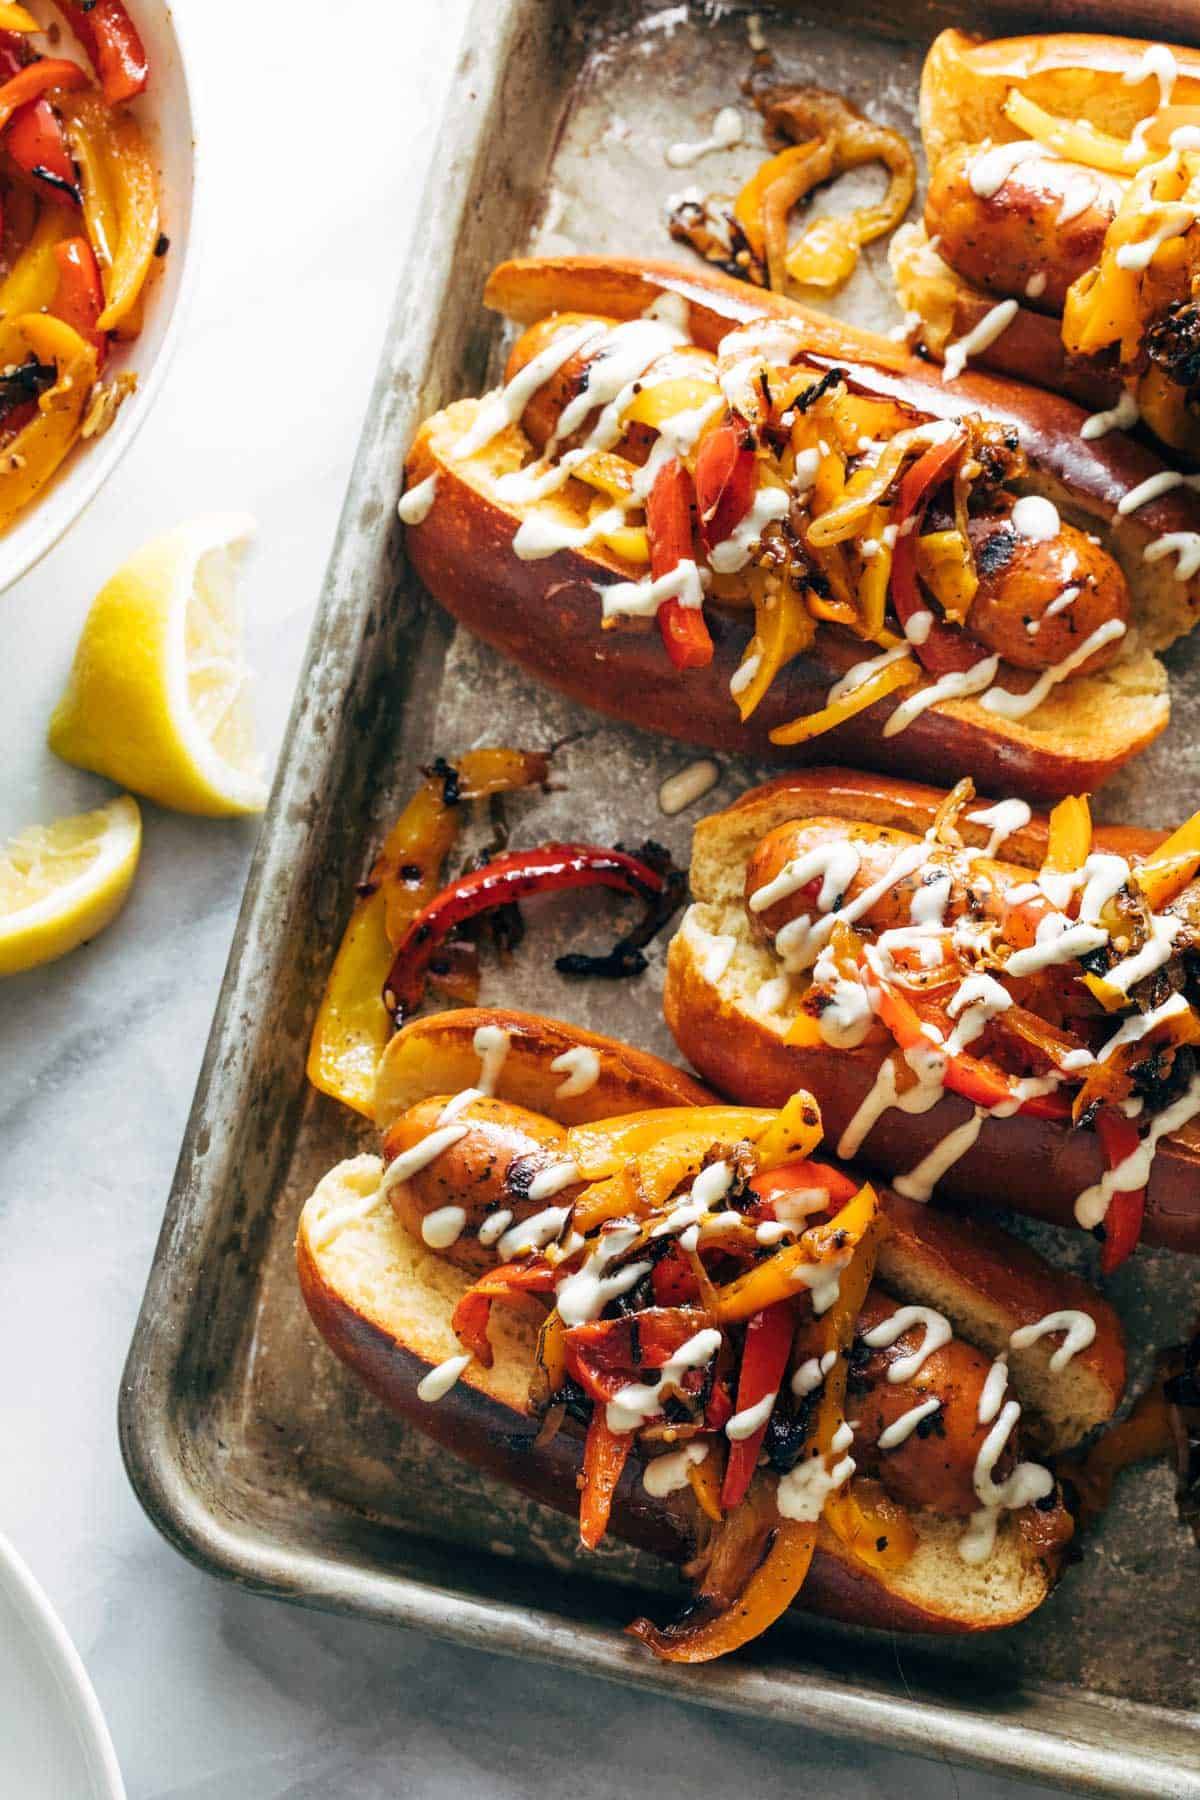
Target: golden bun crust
x=737 y=1042
x=1079 y=75
x=383 y=1303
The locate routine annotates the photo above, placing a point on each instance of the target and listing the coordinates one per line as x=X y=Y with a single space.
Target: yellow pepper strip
x=662 y=400
x=352 y=1026
x=32 y=282
x=784 y=628
x=39 y=447
x=612 y=475
x=602 y=1148
x=793 y=1135
x=874 y=1529
x=16 y=18
x=120 y=197
x=748 y=207
x=945 y=566
x=551 y=1352
x=877 y=687
x=1070 y=839
x=804 y=1033
x=1172 y=865
x=775 y=1279
x=876 y=573
x=705 y=1479
x=1075 y=140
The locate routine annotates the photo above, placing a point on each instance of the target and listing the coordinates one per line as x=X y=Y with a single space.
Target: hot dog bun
x=546 y=613
x=383 y=1303
x=737 y=1043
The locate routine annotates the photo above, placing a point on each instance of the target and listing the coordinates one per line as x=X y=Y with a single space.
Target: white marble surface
x=313 y=159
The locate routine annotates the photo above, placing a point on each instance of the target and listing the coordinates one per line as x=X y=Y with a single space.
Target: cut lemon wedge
x=60 y=884
x=159 y=693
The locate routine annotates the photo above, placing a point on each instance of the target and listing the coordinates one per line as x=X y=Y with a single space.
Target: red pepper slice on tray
x=948 y=648
x=724 y=482
x=1127 y=1208
x=669 y=528
x=515 y=876
x=765 y=1353
x=114 y=47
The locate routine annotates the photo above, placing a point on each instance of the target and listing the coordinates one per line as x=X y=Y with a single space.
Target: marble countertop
x=310 y=185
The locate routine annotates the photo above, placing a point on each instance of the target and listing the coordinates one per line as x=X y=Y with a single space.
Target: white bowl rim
x=103 y=458
x=65 y=1662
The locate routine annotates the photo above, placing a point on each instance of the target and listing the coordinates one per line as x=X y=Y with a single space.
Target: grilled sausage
x=488 y=1171
x=1038 y=599
x=1040 y=230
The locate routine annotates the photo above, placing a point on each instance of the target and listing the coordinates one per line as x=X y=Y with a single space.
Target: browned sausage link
x=540 y=418
x=1021 y=579
x=978 y=884
x=934 y=1465
x=1005 y=241
x=487 y=1171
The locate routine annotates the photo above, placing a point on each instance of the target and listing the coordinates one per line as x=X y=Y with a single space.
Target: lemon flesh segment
x=158 y=697
x=61 y=884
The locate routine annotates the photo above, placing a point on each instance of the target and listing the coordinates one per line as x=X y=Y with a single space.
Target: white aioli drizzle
x=584 y=1295
x=955 y=686
x=630 y=1408
x=1027 y=1483
x=581 y=1066
x=491 y=1044
x=688 y=785
x=548 y=1182
x=733 y=553
x=801 y=941
x=1120 y=417
x=1153 y=488
x=895 y=1434
x=504 y=408
x=995 y=1386
x=410 y=1162
x=1157 y=61
x=862 y=672
x=937 y=1332
x=1036 y=518
x=1080 y=1329
x=993 y=324
x=1079 y=191
x=718 y=954
x=726 y=132
x=1035 y=287
x=836 y=863
x=665 y=1475
x=992 y=167
x=416 y=502
x=494 y=1227
x=443 y=1227
x=803 y=1491
x=1002 y=820
x=642 y=599
x=811 y=1373
x=1015 y=705
x=437 y=1383
x=1183 y=545
x=1134 y=1171
x=744 y=1424
x=533 y=1233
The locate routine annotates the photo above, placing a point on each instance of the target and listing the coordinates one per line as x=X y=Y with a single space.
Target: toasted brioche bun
x=546 y=614
x=1037 y=1166
x=384 y=1302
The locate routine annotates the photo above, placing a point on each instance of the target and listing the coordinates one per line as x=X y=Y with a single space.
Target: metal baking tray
x=251 y=1449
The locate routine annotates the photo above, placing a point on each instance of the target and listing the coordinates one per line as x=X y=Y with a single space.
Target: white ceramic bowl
x=165 y=112
x=53 y=1739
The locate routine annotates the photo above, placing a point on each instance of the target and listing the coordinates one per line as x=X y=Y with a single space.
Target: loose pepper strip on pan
x=353 y=1026
x=1127 y=1208
x=113 y=45
x=669 y=526
x=764 y=1359
x=549 y=869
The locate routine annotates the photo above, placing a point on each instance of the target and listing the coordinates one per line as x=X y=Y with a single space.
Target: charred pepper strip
x=946 y=648
x=724 y=481
x=669 y=527
x=80 y=297
x=605 y=1454
x=764 y=1358
x=36 y=79
x=550 y=869
x=1127 y=1208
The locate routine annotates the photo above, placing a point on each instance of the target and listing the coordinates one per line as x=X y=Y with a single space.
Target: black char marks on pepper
x=441 y=770
x=625 y=958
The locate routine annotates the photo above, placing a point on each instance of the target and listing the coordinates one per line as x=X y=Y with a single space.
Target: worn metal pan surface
x=249 y=1446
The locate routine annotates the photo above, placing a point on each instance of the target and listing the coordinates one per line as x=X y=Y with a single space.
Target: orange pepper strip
x=507 y=1282
x=36 y=79
x=604 y=1456
x=1070 y=838
x=1172 y=865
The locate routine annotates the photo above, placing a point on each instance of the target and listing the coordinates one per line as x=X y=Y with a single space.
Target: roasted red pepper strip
x=34 y=80
x=471 y=1315
x=546 y=870
x=1127 y=1208
x=724 y=482
x=947 y=648
x=965 y=1075
x=672 y=1279
x=79 y=300
x=36 y=142
x=604 y=1456
x=115 y=50
x=764 y=1359
x=790 y=1177
x=605 y=1355
x=669 y=528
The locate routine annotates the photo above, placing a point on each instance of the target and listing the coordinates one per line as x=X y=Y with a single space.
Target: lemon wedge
x=159 y=693
x=60 y=884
